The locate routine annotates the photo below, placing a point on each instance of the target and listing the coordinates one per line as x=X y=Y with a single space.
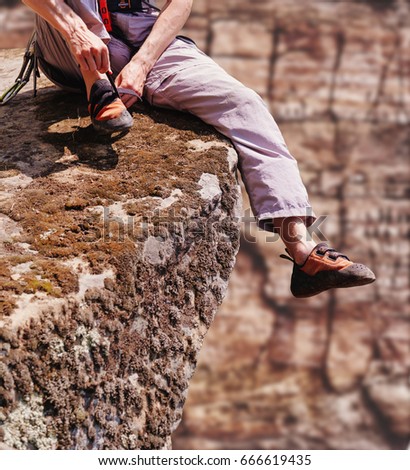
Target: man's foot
x=325 y=269
x=107 y=111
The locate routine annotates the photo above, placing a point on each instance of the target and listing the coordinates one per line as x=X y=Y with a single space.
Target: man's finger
x=89 y=59
x=82 y=63
x=97 y=59
x=105 y=62
x=92 y=66
x=128 y=100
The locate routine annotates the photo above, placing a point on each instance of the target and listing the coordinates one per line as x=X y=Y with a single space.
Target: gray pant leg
x=55 y=58
x=186 y=79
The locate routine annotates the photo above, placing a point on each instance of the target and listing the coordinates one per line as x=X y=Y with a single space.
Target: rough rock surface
x=331 y=372
x=115 y=255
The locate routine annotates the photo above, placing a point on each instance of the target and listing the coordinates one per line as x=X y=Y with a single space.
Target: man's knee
x=243 y=97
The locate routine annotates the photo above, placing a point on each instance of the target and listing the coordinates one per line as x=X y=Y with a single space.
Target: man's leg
x=186 y=79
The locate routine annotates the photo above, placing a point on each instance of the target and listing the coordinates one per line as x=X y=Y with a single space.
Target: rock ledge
x=114 y=258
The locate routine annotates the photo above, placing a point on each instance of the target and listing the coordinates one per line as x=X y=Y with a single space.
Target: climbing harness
x=127 y=6
x=124 y=6
x=120 y=6
x=29 y=66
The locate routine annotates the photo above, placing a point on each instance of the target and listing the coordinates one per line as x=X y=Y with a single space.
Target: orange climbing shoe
x=107 y=111
x=325 y=269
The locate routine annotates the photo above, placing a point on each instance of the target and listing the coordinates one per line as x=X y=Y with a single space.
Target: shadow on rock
x=51 y=132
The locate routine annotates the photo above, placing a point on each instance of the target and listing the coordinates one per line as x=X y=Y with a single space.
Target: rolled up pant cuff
x=265 y=220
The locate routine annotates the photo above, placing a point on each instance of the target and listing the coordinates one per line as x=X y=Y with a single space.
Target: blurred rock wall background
x=16 y=24
x=331 y=372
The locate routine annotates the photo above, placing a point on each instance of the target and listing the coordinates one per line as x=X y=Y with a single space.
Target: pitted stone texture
x=113 y=264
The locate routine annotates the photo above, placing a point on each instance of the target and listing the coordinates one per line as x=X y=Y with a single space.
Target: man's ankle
x=90 y=78
x=300 y=251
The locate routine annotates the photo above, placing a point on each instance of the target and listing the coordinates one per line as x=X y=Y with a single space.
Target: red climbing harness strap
x=105 y=15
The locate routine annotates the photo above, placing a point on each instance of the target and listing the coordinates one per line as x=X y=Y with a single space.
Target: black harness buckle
x=125 y=6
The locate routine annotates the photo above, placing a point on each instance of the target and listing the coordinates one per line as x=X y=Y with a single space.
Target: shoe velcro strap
x=332 y=253
x=101 y=95
x=127 y=91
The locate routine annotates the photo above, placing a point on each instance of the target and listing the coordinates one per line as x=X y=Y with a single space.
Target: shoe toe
x=122 y=123
x=360 y=273
x=303 y=285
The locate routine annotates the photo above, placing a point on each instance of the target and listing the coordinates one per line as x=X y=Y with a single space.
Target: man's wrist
x=142 y=63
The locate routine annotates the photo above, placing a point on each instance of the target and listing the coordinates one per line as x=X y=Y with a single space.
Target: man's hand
x=133 y=77
x=89 y=51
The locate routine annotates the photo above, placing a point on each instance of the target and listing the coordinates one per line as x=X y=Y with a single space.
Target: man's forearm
x=89 y=50
x=169 y=23
x=59 y=15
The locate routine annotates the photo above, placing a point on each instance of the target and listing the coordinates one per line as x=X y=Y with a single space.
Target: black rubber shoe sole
x=122 y=123
x=303 y=285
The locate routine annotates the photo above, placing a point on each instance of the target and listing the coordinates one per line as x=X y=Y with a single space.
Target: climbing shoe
x=107 y=111
x=325 y=269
